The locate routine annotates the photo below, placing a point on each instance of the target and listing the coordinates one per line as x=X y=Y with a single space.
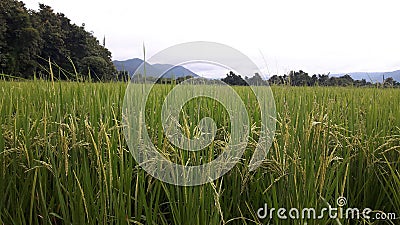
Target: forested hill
x=28 y=39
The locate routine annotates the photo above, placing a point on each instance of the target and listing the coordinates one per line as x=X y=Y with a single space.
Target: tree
x=256 y=80
x=3 y=45
x=19 y=40
x=299 y=78
x=277 y=80
x=323 y=80
x=314 y=80
x=360 y=83
x=389 y=82
x=28 y=40
x=53 y=36
x=97 y=68
x=344 y=80
x=233 y=79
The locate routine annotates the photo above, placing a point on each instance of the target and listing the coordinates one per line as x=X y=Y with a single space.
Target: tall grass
x=64 y=160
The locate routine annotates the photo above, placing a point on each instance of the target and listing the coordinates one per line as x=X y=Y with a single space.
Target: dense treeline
x=301 y=78
x=29 y=39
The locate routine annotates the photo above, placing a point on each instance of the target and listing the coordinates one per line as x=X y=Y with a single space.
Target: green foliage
x=233 y=79
x=29 y=39
x=96 y=66
x=19 y=39
x=302 y=78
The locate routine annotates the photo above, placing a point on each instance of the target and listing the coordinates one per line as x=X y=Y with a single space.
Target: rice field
x=64 y=158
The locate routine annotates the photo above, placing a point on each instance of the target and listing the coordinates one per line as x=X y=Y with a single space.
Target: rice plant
x=64 y=159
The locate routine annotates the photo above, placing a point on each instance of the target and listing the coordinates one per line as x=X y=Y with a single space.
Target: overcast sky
x=315 y=36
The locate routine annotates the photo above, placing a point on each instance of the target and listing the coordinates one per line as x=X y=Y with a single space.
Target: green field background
x=64 y=160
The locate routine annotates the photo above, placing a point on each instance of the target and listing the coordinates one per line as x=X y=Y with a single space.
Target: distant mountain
x=372 y=76
x=131 y=65
x=178 y=71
